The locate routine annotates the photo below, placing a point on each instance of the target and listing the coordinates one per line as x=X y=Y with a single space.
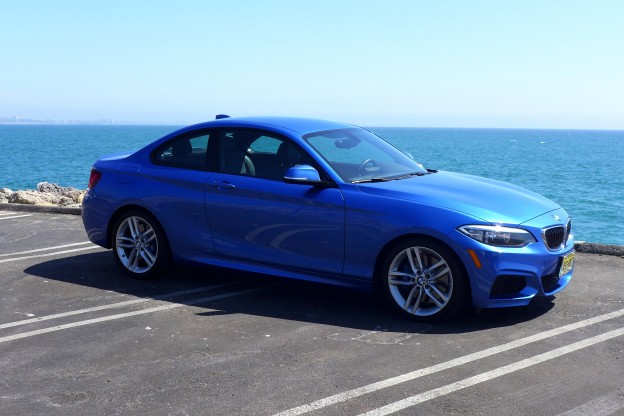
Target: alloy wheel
x=136 y=244
x=420 y=281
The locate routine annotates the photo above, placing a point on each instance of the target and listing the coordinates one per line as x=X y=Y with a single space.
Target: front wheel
x=423 y=280
x=139 y=245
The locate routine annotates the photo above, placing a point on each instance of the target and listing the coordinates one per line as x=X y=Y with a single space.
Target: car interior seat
x=181 y=150
x=234 y=158
x=288 y=156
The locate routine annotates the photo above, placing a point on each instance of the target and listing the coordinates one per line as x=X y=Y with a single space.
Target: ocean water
x=579 y=169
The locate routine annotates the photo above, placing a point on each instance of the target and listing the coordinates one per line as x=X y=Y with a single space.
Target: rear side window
x=188 y=151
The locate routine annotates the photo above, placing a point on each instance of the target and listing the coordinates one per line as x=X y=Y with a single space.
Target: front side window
x=188 y=151
x=259 y=154
x=358 y=155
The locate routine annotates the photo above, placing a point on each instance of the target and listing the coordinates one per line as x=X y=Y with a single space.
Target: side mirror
x=303 y=175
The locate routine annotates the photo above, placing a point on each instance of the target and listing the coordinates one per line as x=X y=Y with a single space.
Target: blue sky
x=526 y=64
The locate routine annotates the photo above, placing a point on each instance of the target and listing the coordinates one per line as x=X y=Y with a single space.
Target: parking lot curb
x=604 y=249
x=40 y=208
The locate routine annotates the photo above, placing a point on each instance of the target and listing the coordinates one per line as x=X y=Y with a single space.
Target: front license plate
x=566 y=264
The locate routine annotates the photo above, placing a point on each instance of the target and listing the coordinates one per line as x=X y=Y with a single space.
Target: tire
x=423 y=280
x=139 y=245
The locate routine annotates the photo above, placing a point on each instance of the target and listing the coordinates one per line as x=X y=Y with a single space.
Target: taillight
x=94 y=178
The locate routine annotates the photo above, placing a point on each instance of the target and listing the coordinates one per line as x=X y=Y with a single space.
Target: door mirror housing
x=303 y=175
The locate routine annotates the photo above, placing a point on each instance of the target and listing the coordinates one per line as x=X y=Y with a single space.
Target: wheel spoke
x=414 y=258
x=148 y=258
x=133 y=225
x=431 y=268
x=437 y=276
x=148 y=236
x=125 y=242
x=419 y=258
x=410 y=258
x=410 y=299
x=133 y=260
x=418 y=301
x=434 y=298
x=152 y=254
x=396 y=276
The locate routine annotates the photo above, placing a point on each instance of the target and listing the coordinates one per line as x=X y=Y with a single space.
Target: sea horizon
x=6 y=121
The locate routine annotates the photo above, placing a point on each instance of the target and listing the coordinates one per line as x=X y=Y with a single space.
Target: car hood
x=492 y=201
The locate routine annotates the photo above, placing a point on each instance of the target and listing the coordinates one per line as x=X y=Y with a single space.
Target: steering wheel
x=368 y=163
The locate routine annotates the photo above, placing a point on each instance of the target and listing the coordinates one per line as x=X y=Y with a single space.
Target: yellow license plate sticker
x=566 y=264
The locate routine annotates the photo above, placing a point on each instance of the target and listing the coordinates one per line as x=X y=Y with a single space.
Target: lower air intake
x=508 y=285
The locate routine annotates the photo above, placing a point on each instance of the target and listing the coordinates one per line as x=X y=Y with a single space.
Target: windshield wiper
x=373 y=180
x=395 y=178
x=427 y=172
x=409 y=175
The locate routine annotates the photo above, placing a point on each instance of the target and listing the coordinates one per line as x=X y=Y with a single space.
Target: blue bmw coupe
x=327 y=202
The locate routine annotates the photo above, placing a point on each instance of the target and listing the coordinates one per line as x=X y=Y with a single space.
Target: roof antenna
x=220 y=116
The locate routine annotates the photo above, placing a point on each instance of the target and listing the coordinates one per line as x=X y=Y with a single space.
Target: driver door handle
x=221 y=185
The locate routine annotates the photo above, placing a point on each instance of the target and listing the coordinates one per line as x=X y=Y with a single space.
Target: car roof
x=296 y=124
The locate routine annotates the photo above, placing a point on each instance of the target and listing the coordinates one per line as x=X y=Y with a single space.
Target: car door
x=255 y=216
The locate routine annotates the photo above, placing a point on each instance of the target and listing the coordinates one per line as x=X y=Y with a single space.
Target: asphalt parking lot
x=79 y=338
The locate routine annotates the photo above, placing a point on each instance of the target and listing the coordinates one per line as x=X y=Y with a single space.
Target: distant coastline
x=18 y=120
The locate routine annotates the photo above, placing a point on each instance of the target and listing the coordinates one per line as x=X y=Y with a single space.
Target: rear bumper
x=95 y=220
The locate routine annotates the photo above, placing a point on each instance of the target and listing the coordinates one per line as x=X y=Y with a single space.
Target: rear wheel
x=139 y=245
x=423 y=280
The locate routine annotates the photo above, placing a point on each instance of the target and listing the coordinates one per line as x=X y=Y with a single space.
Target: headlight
x=498 y=236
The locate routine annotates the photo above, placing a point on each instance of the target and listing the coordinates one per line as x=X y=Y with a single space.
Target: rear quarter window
x=186 y=152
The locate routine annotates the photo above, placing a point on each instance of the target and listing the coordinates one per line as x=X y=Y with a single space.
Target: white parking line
x=602 y=406
x=125 y=315
x=489 y=375
x=115 y=305
x=15 y=216
x=45 y=249
x=49 y=254
x=360 y=391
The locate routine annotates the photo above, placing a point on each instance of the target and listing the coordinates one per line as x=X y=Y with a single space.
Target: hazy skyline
x=546 y=64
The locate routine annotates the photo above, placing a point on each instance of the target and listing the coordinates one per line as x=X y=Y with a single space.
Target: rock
x=46 y=194
x=49 y=187
x=32 y=198
x=5 y=193
x=40 y=198
x=73 y=194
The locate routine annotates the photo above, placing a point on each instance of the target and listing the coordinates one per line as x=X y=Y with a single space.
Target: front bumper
x=513 y=276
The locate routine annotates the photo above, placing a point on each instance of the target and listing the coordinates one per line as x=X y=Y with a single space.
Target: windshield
x=357 y=155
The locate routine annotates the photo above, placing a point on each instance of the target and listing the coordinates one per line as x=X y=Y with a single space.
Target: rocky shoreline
x=46 y=194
